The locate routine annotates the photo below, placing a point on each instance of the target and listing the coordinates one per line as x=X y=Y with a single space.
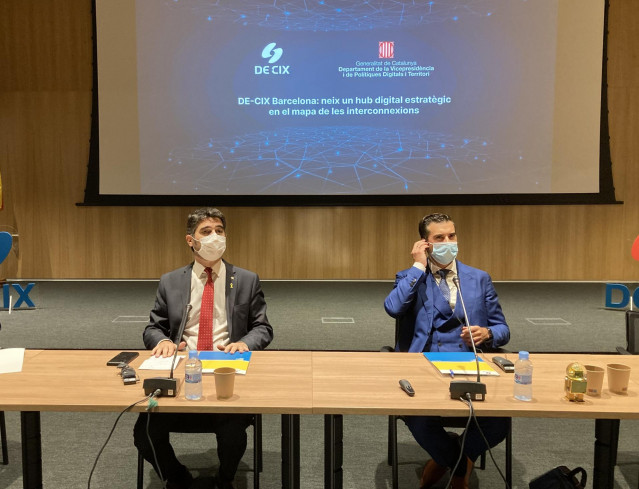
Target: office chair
x=257 y=454
x=3 y=438
x=449 y=422
x=632 y=334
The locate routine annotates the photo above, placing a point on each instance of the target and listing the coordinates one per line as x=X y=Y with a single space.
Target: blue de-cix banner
x=22 y=297
x=621 y=295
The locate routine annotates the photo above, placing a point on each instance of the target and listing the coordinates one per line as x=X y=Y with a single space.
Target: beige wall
x=45 y=111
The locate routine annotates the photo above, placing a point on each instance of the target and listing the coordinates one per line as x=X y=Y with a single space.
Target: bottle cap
x=192 y=353
x=524 y=355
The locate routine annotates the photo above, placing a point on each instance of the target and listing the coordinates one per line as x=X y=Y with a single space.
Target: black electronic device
x=168 y=386
x=464 y=389
x=128 y=375
x=123 y=357
x=406 y=387
x=504 y=364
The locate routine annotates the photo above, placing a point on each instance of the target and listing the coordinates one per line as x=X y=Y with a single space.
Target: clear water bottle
x=193 y=377
x=523 y=377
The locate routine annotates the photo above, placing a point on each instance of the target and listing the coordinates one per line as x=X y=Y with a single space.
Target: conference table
x=368 y=383
x=291 y=383
x=278 y=382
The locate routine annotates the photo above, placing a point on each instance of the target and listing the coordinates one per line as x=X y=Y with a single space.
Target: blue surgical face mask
x=444 y=253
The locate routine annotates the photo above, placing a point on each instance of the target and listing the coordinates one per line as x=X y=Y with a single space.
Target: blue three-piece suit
x=426 y=322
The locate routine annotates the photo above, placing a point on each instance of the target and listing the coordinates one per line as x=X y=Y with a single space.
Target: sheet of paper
x=153 y=363
x=11 y=360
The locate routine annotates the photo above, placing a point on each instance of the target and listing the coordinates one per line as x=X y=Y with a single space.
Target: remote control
x=406 y=387
x=504 y=364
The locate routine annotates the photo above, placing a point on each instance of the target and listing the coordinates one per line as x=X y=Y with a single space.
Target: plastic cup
x=618 y=377
x=224 y=382
x=595 y=377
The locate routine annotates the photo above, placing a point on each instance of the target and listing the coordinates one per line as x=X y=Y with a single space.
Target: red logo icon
x=386 y=49
x=635 y=249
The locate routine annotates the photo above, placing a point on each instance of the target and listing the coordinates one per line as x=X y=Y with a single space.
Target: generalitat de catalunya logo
x=386 y=49
x=270 y=51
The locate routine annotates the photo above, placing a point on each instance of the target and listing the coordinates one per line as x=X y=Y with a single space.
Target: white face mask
x=212 y=247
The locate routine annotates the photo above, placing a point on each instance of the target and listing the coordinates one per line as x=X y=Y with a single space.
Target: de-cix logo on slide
x=273 y=55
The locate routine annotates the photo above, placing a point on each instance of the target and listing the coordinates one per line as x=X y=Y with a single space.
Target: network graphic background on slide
x=338 y=160
x=335 y=159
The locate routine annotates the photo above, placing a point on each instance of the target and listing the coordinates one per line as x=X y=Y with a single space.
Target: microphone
x=461 y=297
x=463 y=388
x=185 y=318
x=168 y=386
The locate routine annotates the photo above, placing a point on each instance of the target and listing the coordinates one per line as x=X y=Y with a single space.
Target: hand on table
x=238 y=346
x=166 y=348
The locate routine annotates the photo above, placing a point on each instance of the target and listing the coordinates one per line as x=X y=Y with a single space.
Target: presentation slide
x=331 y=97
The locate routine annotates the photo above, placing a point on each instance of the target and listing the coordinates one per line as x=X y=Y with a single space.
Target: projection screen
x=334 y=101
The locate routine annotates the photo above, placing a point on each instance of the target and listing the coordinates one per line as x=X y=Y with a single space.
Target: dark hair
x=198 y=215
x=426 y=220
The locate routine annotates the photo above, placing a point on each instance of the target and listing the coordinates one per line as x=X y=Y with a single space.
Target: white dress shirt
x=434 y=268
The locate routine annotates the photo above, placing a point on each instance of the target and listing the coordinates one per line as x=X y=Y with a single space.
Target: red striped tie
x=205 y=335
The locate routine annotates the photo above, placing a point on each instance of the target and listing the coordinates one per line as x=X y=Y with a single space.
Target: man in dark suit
x=424 y=301
x=228 y=314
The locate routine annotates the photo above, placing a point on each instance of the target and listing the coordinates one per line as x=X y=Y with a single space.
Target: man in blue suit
x=424 y=301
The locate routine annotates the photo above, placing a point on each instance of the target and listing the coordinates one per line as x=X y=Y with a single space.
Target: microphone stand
x=168 y=386
x=463 y=388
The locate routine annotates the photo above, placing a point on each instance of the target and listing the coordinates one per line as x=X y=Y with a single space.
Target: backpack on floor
x=560 y=478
